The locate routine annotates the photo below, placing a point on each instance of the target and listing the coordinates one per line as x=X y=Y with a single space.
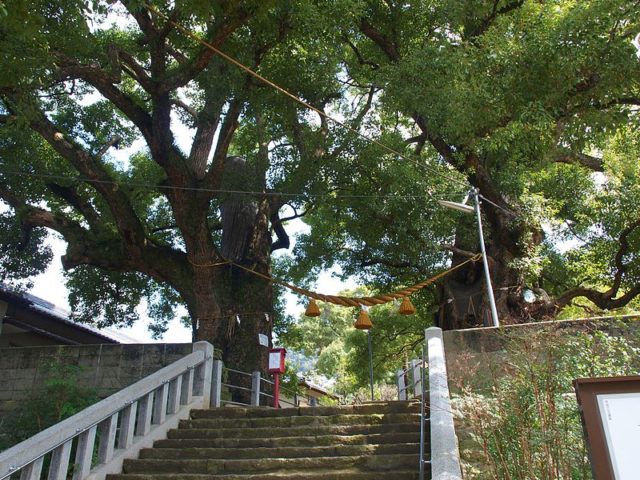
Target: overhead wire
x=215 y=190
x=297 y=99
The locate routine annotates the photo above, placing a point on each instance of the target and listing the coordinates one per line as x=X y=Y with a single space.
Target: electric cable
x=215 y=190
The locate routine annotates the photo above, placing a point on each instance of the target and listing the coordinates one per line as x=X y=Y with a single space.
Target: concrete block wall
x=104 y=368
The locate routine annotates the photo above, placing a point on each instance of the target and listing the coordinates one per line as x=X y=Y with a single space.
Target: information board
x=274 y=360
x=610 y=410
x=620 y=417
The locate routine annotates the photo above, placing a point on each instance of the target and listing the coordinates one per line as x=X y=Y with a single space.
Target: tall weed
x=527 y=424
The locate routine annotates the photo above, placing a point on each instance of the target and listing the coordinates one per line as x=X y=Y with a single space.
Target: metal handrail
x=296 y=401
x=237 y=387
x=423 y=399
x=236 y=371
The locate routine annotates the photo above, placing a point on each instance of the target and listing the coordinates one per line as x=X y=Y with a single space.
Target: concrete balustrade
x=445 y=457
x=124 y=423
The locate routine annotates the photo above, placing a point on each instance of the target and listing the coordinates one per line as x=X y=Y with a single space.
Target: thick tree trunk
x=464 y=302
x=232 y=306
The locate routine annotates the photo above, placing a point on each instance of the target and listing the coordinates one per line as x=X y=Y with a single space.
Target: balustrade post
x=160 y=406
x=216 y=384
x=144 y=416
x=402 y=388
x=186 y=392
x=175 y=387
x=84 y=453
x=417 y=377
x=203 y=373
x=125 y=438
x=255 y=389
x=445 y=457
x=33 y=470
x=107 y=429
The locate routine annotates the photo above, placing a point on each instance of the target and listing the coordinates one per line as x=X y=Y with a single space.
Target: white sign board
x=620 y=417
x=274 y=360
x=263 y=340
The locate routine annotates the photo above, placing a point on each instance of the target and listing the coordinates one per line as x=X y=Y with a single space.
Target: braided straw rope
x=350 y=301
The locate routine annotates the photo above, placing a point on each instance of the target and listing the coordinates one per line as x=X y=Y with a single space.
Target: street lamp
x=363 y=322
x=463 y=207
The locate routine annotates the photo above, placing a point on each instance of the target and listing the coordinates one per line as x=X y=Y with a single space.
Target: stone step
x=361 y=409
x=306 y=420
x=288 y=441
x=343 y=474
x=267 y=432
x=377 y=463
x=282 y=452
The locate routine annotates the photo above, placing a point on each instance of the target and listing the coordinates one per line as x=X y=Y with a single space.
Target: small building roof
x=28 y=312
x=317 y=389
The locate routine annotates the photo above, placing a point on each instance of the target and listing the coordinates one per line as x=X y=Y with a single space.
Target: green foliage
x=496 y=94
x=528 y=426
x=103 y=298
x=60 y=397
x=23 y=253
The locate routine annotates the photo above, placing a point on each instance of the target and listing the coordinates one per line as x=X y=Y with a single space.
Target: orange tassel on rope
x=363 y=321
x=406 y=307
x=312 y=309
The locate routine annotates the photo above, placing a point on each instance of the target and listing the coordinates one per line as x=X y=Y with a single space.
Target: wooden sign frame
x=587 y=391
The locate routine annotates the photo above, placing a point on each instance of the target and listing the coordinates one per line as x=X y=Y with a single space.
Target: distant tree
x=340 y=352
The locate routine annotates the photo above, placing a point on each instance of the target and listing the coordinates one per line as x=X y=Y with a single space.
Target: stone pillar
x=3 y=311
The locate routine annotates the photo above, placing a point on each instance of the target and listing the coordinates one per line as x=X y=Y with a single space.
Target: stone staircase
x=351 y=442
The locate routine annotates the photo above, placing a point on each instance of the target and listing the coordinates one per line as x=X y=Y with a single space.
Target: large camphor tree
x=163 y=221
x=533 y=103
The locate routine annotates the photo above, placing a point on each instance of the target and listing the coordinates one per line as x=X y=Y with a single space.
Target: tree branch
x=191 y=111
x=486 y=23
x=71 y=196
x=458 y=251
x=361 y=59
x=123 y=213
x=207 y=124
x=104 y=83
x=385 y=44
x=383 y=261
x=216 y=36
x=137 y=72
x=113 y=142
x=587 y=161
x=214 y=175
x=606 y=300
x=283 y=241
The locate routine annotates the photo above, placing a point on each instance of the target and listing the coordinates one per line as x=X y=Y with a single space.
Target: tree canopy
x=535 y=105
x=170 y=172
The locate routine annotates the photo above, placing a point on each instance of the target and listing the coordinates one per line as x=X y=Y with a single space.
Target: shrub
x=60 y=398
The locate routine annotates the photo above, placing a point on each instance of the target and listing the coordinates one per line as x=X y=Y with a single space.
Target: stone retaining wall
x=104 y=368
x=477 y=354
